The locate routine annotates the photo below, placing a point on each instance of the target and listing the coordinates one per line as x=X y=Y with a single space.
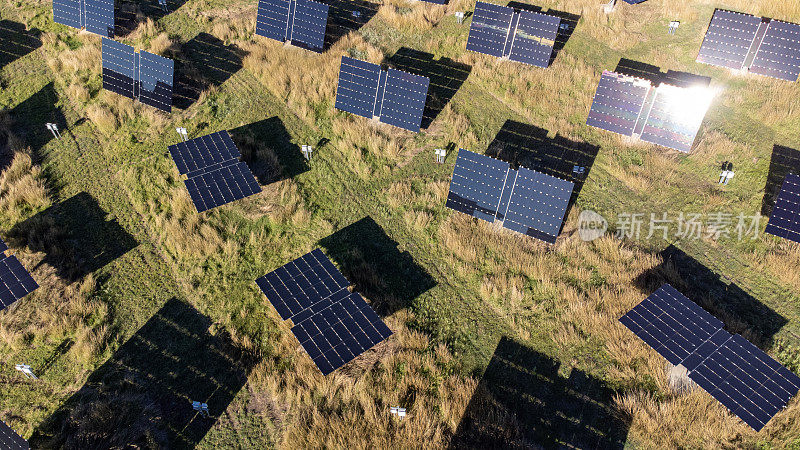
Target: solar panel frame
x=785 y=218
x=403 y=100
x=309 y=22
x=537 y=205
x=477 y=185
x=669 y=123
x=10 y=440
x=154 y=80
x=490 y=29
x=778 y=54
x=99 y=17
x=119 y=67
x=15 y=281
x=729 y=39
x=357 y=89
x=618 y=103
x=534 y=38
x=272 y=19
x=67 y=12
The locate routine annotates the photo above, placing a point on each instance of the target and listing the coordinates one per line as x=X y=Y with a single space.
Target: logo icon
x=591 y=225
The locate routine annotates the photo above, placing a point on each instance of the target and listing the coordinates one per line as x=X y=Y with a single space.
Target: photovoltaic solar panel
x=215 y=174
x=785 y=219
x=118 y=67
x=99 y=17
x=491 y=25
x=729 y=39
x=534 y=38
x=675 y=117
x=393 y=96
x=302 y=21
x=15 y=281
x=155 y=80
x=743 y=378
x=618 y=103
x=634 y=2
x=68 y=12
x=438 y=2
x=10 y=440
x=524 y=200
x=332 y=324
x=779 y=53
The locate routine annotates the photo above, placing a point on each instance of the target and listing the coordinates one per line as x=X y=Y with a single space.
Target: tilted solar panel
x=118 y=67
x=634 y=2
x=537 y=205
x=15 y=281
x=272 y=19
x=404 y=99
x=490 y=29
x=309 y=23
x=676 y=116
x=477 y=185
x=617 y=103
x=358 y=87
x=785 y=219
x=729 y=39
x=332 y=324
x=100 y=17
x=778 y=55
x=438 y=2
x=534 y=38
x=67 y=12
x=736 y=373
x=155 y=80
x=203 y=152
x=10 y=440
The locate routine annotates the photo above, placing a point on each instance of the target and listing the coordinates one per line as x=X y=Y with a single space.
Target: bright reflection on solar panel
x=687 y=105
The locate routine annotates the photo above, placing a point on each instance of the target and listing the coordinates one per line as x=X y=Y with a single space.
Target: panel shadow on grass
x=77 y=236
x=17 y=41
x=203 y=62
x=523 y=402
x=345 y=16
x=446 y=77
x=30 y=116
x=784 y=160
x=268 y=149
x=734 y=306
x=370 y=259
x=142 y=396
x=654 y=74
x=129 y=14
x=529 y=146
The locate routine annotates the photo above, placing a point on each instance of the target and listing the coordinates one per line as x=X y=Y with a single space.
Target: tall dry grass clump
x=102 y=118
x=22 y=188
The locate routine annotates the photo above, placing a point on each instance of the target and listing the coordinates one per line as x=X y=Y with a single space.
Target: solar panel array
x=519 y=35
x=15 y=281
x=215 y=176
x=96 y=16
x=523 y=200
x=301 y=21
x=142 y=76
x=665 y=115
x=333 y=325
x=761 y=45
x=393 y=96
x=10 y=440
x=743 y=378
x=785 y=219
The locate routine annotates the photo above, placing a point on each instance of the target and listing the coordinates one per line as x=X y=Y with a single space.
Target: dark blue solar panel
x=779 y=53
x=309 y=23
x=3 y=246
x=15 y=281
x=438 y=2
x=358 y=86
x=537 y=205
x=618 y=103
x=203 y=152
x=404 y=99
x=118 y=67
x=675 y=117
x=155 y=81
x=477 y=185
x=785 y=219
x=729 y=39
x=332 y=324
x=534 y=38
x=490 y=29
x=67 y=12
x=634 y=2
x=743 y=378
x=10 y=440
x=100 y=17
x=272 y=19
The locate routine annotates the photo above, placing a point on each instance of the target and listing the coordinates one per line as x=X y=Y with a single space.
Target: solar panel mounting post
x=182 y=132
x=459 y=17
x=53 y=129
x=307 y=151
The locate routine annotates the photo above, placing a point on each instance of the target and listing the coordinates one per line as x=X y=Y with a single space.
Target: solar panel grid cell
x=67 y=12
x=673 y=120
x=785 y=219
x=404 y=100
x=118 y=67
x=537 y=205
x=100 y=17
x=10 y=440
x=477 y=185
x=729 y=38
x=534 y=38
x=309 y=23
x=272 y=19
x=779 y=53
x=617 y=103
x=490 y=28
x=358 y=87
x=155 y=83
x=15 y=281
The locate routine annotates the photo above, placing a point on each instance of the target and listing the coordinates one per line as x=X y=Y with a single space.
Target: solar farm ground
x=145 y=305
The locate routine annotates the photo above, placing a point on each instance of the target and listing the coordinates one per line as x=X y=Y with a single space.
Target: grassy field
x=499 y=340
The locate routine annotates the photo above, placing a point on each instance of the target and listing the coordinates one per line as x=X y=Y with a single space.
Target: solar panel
x=155 y=80
x=215 y=176
x=333 y=325
x=618 y=103
x=393 y=96
x=142 y=76
x=729 y=39
x=785 y=219
x=15 y=281
x=438 y=2
x=634 y=2
x=99 y=17
x=534 y=38
x=491 y=25
x=10 y=440
x=743 y=378
x=67 y=12
x=779 y=53
x=523 y=200
x=302 y=21
x=675 y=117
